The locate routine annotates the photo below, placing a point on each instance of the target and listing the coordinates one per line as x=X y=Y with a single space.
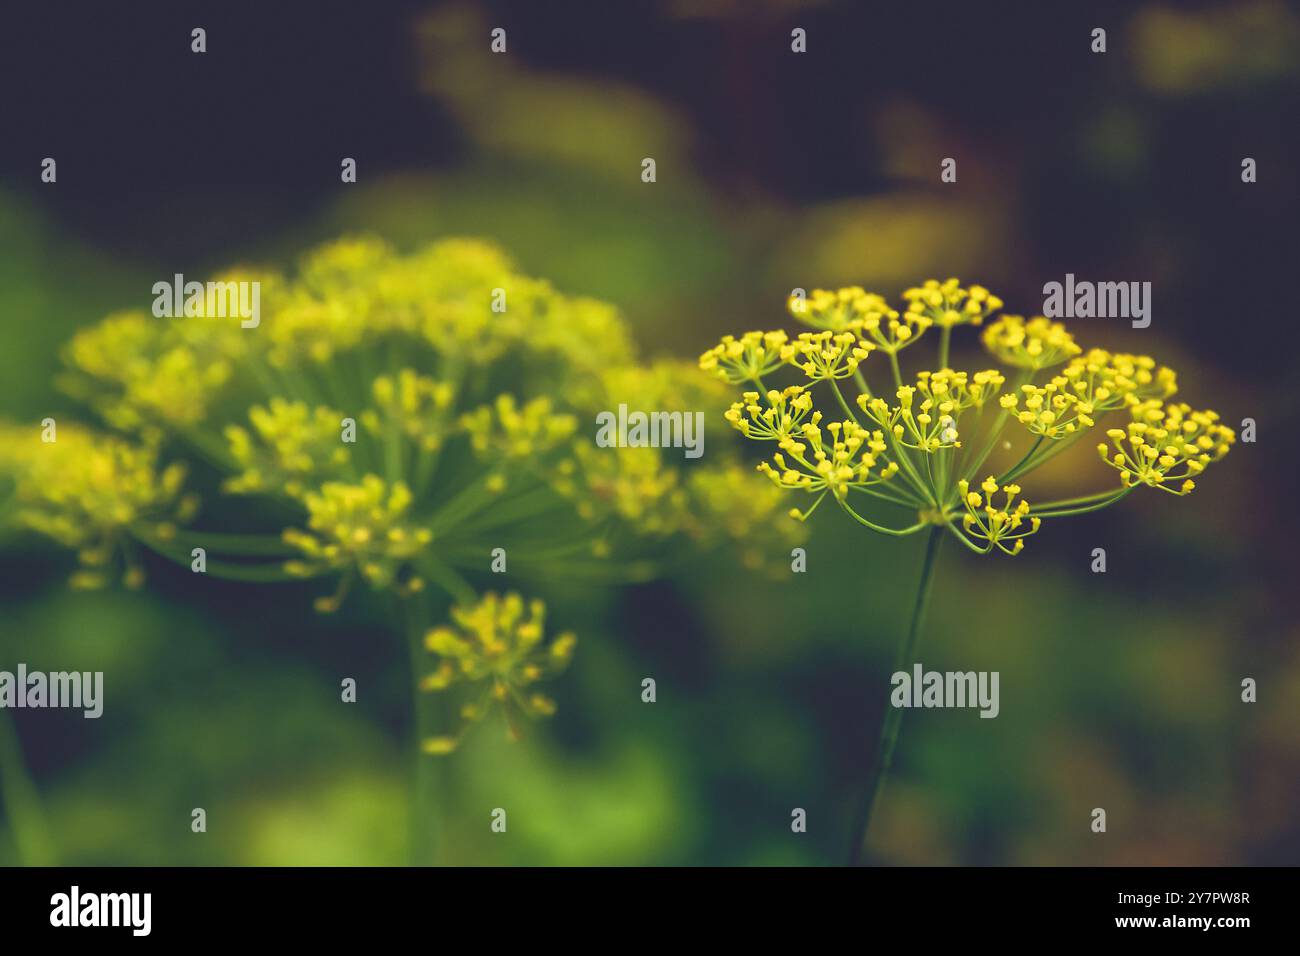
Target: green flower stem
x=1081 y=500
x=1116 y=496
x=21 y=800
x=893 y=365
x=424 y=809
x=908 y=470
x=944 y=337
x=1024 y=378
x=211 y=447
x=892 y=499
x=447 y=578
x=261 y=573
x=894 y=715
x=1023 y=464
x=1058 y=446
x=239 y=545
x=527 y=504
x=471 y=498
x=896 y=532
x=957 y=533
x=843 y=404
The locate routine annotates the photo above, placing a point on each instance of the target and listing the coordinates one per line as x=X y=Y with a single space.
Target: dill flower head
x=496 y=650
x=291 y=443
x=88 y=491
x=361 y=526
x=749 y=357
x=997 y=522
x=948 y=304
x=410 y=416
x=1166 y=446
x=829 y=355
x=839 y=311
x=917 y=444
x=1035 y=344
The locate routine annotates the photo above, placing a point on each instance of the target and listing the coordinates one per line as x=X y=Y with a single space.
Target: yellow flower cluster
x=1166 y=445
x=415 y=405
x=362 y=526
x=89 y=491
x=748 y=358
x=783 y=413
x=497 y=648
x=624 y=484
x=726 y=504
x=291 y=445
x=829 y=355
x=847 y=460
x=1050 y=410
x=1036 y=344
x=507 y=435
x=840 y=311
x=919 y=446
x=145 y=382
x=1109 y=380
x=947 y=304
x=997 y=524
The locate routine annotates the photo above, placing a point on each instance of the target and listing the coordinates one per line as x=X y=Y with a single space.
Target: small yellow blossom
x=948 y=304
x=362 y=526
x=847 y=460
x=829 y=355
x=496 y=648
x=1035 y=344
x=416 y=405
x=748 y=358
x=1050 y=410
x=507 y=431
x=89 y=491
x=774 y=419
x=1166 y=446
x=993 y=523
x=291 y=444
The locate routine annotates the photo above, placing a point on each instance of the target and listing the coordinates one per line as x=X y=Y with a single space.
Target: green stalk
x=22 y=802
x=1023 y=464
x=894 y=715
x=423 y=806
x=1064 y=512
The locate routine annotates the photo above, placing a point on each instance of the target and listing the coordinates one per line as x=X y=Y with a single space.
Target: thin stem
x=1062 y=513
x=896 y=532
x=237 y=545
x=448 y=579
x=264 y=572
x=1024 y=378
x=1022 y=464
x=423 y=808
x=892 y=499
x=1081 y=500
x=843 y=404
x=22 y=802
x=894 y=715
x=944 y=338
x=893 y=365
